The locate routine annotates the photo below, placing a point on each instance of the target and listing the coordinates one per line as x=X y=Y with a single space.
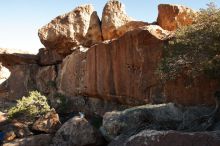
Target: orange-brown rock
x=171 y=17
x=121 y=70
x=115 y=21
x=49 y=57
x=78 y=27
x=48 y=123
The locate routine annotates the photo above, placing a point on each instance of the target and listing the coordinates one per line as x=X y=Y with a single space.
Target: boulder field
x=106 y=69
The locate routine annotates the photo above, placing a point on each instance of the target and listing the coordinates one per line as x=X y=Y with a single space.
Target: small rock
x=48 y=123
x=77 y=132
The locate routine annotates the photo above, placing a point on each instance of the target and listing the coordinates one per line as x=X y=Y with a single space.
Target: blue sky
x=21 y=19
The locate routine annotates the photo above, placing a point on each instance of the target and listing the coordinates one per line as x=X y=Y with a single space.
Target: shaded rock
x=115 y=21
x=78 y=27
x=88 y=105
x=77 y=132
x=37 y=140
x=162 y=116
x=48 y=123
x=46 y=79
x=171 y=17
x=120 y=70
x=10 y=57
x=21 y=81
x=15 y=129
x=49 y=57
x=4 y=75
x=168 y=138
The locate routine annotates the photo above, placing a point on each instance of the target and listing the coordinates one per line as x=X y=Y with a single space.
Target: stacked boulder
x=96 y=66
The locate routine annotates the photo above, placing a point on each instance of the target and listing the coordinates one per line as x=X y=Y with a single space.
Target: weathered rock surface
x=156 y=117
x=78 y=27
x=115 y=21
x=120 y=70
x=171 y=17
x=77 y=132
x=168 y=138
x=49 y=123
x=37 y=140
x=21 y=81
x=46 y=79
x=10 y=57
x=49 y=57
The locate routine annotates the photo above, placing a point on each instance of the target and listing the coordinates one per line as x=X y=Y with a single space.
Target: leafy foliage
x=33 y=105
x=195 y=49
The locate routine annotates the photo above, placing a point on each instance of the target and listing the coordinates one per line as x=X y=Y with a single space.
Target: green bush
x=195 y=49
x=33 y=105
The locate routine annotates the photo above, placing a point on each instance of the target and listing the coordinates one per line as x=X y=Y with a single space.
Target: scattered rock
x=49 y=57
x=37 y=140
x=48 y=123
x=78 y=27
x=15 y=129
x=171 y=17
x=77 y=132
x=115 y=21
x=168 y=138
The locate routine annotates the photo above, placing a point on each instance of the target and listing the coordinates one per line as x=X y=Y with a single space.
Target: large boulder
x=77 y=132
x=121 y=70
x=37 y=140
x=78 y=27
x=115 y=21
x=171 y=17
x=157 y=117
x=168 y=138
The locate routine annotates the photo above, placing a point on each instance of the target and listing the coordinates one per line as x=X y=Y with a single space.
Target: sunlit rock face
x=120 y=70
x=115 y=21
x=78 y=27
x=171 y=17
x=4 y=74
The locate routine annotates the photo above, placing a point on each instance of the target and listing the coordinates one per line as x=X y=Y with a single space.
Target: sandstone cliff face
x=115 y=21
x=121 y=70
x=79 y=27
x=171 y=17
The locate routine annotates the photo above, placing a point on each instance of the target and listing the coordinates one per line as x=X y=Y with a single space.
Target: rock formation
x=95 y=67
x=115 y=21
x=171 y=17
x=78 y=27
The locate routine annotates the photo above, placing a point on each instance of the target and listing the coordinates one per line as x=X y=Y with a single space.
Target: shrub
x=195 y=49
x=33 y=105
